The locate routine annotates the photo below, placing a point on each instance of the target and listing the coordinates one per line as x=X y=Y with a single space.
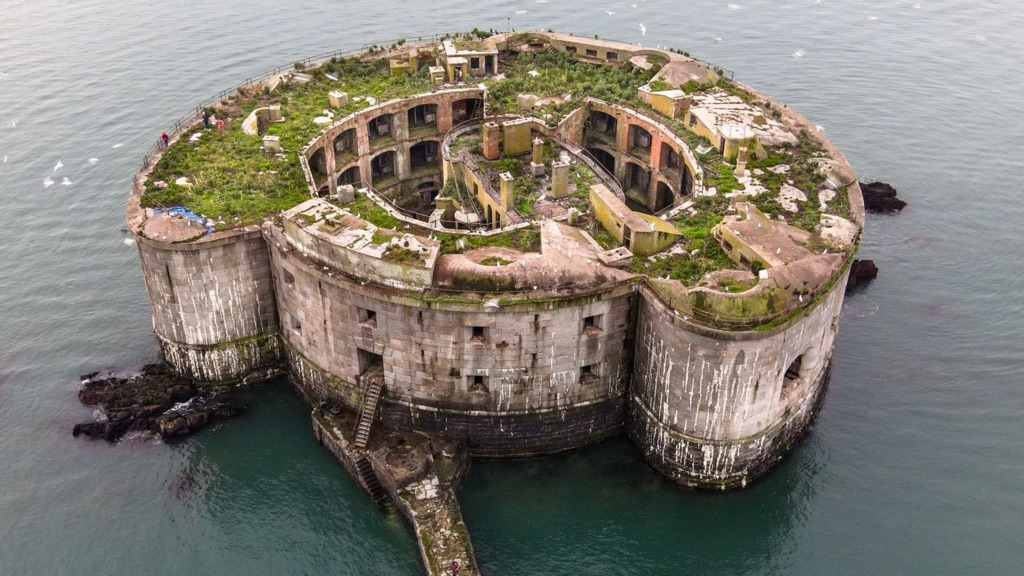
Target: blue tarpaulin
x=181 y=210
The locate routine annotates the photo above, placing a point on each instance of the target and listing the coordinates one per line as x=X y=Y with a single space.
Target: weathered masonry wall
x=536 y=378
x=666 y=159
x=718 y=409
x=347 y=150
x=213 y=306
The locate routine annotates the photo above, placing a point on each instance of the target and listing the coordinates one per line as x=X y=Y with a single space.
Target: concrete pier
x=418 y=475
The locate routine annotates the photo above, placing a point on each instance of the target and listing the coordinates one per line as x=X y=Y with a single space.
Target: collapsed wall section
x=213 y=306
x=525 y=379
x=717 y=409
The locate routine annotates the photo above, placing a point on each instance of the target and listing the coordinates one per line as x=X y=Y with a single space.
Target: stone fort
x=490 y=245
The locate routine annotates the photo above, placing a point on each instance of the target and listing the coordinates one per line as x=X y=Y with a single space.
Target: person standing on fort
x=164 y=140
x=206 y=119
x=220 y=127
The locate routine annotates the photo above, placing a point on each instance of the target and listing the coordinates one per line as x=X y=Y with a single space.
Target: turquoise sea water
x=915 y=466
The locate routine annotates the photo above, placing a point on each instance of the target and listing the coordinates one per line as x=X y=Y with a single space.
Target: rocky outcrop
x=861 y=271
x=153 y=401
x=880 y=198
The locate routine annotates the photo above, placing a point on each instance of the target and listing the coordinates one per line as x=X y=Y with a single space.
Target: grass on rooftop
x=559 y=73
x=232 y=178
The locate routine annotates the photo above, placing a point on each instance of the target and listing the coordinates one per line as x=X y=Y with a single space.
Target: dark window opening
x=379 y=127
x=345 y=142
x=289 y=278
x=477 y=383
x=793 y=372
x=318 y=162
x=349 y=177
x=570 y=49
x=295 y=324
x=637 y=178
x=605 y=159
x=424 y=154
x=613 y=57
x=669 y=157
x=423 y=115
x=454 y=372
x=474 y=63
x=591 y=53
x=604 y=124
x=478 y=335
x=382 y=166
x=467 y=109
x=665 y=197
x=693 y=120
x=592 y=324
x=368 y=318
x=589 y=374
x=639 y=140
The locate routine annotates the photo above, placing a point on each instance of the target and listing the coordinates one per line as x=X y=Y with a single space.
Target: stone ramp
x=419 y=474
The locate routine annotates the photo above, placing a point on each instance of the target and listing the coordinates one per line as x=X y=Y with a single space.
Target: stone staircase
x=370 y=481
x=369 y=413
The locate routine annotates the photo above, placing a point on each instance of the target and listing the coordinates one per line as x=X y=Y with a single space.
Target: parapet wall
x=213 y=305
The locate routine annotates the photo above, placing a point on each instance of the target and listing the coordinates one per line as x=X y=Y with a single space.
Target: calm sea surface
x=915 y=466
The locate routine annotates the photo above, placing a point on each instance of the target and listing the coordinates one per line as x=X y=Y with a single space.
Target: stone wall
x=532 y=378
x=650 y=160
x=213 y=305
x=717 y=408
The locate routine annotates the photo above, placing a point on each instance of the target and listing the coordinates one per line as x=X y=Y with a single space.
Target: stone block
x=517 y=136
x=338 y=99
x=559 y=179
x=272 y=143
x=346 y=193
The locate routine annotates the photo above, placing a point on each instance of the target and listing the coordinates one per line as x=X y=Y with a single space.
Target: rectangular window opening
x=478 y=335
x=368 y=318
x=592 y=324
x=477 y=383
x=591 y=53
x=589 y=373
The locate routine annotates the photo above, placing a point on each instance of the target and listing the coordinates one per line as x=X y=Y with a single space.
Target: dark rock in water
x=861 y=271
x=880 y=197
x=154 y=401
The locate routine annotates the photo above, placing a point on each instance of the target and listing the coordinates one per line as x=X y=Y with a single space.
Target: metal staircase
x=370 y=481
x=369 y=413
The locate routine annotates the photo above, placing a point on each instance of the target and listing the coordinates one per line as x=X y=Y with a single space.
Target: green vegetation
x=522 y=239
x=401 y=255
x=494 y=261
x=722 y=179
x=232 y=178
x=373 y=213
x=733 y=285
x=603 y=237
x=560 y=73
x=686 y=269
x=658 y=85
